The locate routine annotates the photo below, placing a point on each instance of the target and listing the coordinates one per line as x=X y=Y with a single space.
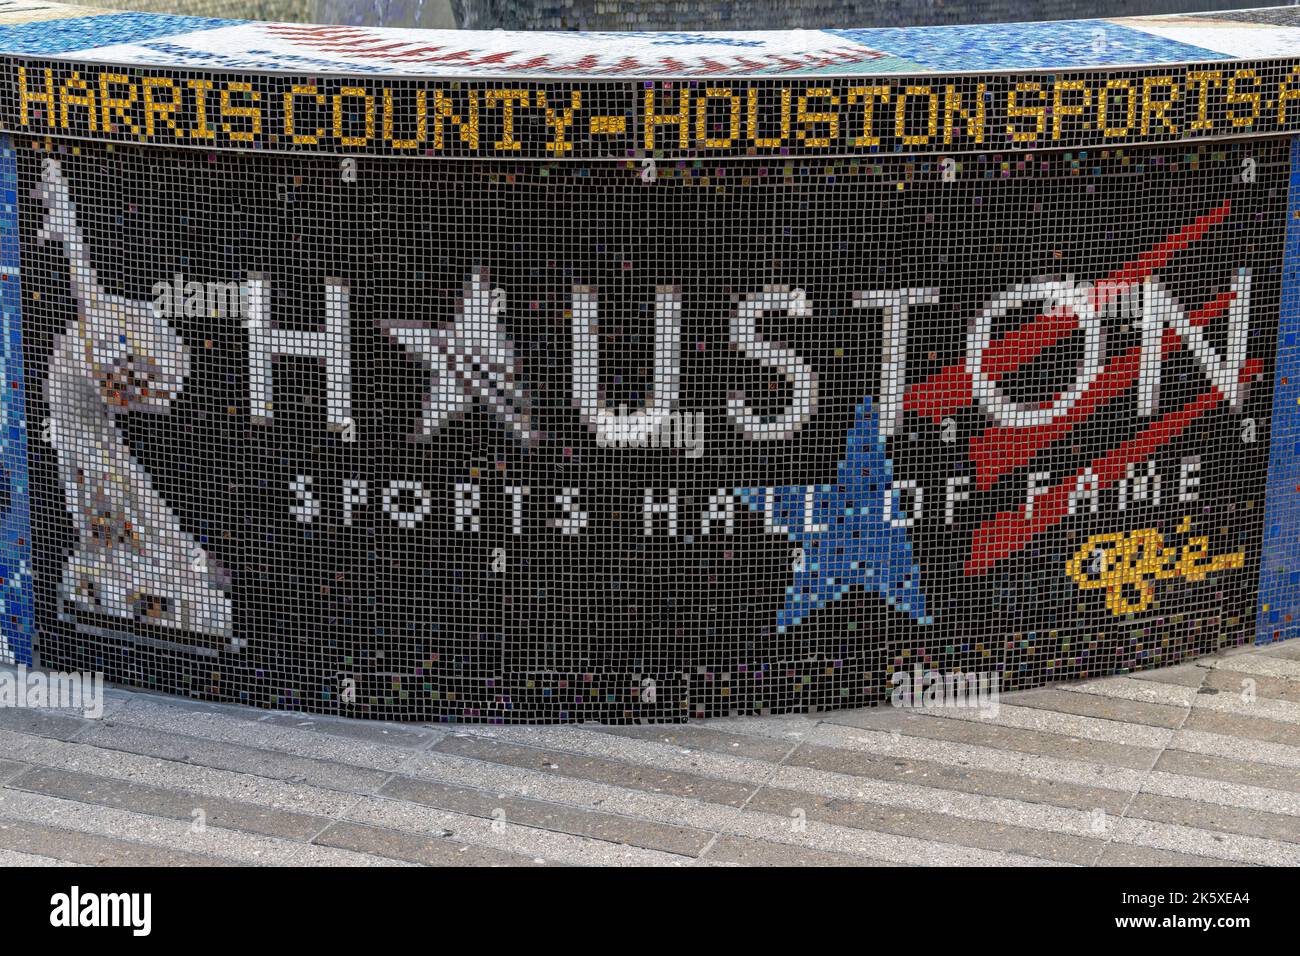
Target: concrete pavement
x=1196 y=764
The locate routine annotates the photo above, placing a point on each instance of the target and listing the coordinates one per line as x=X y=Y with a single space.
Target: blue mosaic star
x=846 y=541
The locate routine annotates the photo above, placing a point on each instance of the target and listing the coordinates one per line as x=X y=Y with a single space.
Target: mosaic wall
x=665 y=15
x=436 y=14
x=581 y=397
x=672 y=15
x=16 y=614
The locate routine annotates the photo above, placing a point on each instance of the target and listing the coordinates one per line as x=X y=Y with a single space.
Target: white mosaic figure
x=132 y=559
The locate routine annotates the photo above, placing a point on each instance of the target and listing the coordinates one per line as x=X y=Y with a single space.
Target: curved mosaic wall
x=676 y=15
x=665 y=15
x=495 y=376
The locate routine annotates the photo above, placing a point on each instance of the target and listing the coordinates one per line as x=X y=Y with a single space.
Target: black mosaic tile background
x=314 y=593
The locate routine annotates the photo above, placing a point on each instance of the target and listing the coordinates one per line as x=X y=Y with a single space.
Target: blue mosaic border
x=1279 y=576
x=1015 y=46
x=1058 y=44
x=84 y=33
x=17 y=620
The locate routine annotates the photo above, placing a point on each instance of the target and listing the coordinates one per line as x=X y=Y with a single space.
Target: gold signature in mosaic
x=1128 y=564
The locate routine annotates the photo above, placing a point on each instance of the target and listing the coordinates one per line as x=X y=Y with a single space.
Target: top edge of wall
x=97 y=35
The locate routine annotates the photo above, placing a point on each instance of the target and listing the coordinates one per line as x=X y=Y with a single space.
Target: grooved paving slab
x=956 y=778
x=1234 y=682
x=72 y=846
x=742 y=852
x=550 y=816
x=633 y=777
x=416 y=848
x=179 y=805
x=942 y=827
x=1091 y=705
x=1212 y=816
x=1254 y=773
x=1250 y=728
x=1120 y=855
x=997 y=737
x=239 y=758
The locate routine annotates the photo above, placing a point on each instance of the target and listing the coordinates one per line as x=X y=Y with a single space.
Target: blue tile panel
x=1279 y=584
x=16 y=617
x=83 y=33
x=996 y=46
